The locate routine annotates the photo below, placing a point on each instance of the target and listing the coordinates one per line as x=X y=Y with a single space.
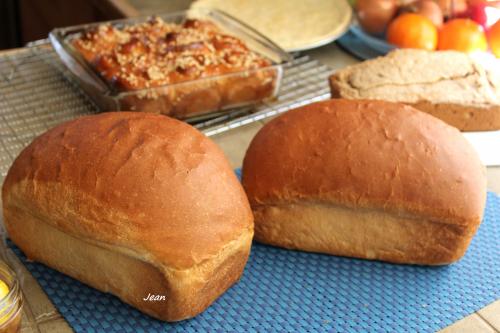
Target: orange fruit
x=462 y=35
x=411 y=30
x=494 y=38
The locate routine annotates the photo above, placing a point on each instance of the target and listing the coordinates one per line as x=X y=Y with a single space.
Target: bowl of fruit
x=463 y=25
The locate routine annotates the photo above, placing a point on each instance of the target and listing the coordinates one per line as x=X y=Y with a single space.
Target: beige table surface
x=41 y=316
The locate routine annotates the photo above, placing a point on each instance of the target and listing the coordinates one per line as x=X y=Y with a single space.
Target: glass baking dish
x=194 y=99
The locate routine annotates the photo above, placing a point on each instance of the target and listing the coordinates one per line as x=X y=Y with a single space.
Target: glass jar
x=10 y=305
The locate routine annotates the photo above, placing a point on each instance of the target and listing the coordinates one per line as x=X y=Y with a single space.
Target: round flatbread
x=292 y=24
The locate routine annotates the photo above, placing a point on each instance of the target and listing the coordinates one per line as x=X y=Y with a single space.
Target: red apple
x=485 y=13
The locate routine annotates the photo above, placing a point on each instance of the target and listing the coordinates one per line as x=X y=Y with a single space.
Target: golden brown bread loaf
x=367 y=179
x=449 y=85
x=133 y=204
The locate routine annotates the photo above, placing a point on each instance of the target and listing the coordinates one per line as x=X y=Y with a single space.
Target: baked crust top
x=367 y=154
x=156 y=53
x=144 y=184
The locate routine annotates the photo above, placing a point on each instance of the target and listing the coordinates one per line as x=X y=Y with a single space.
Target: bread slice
x=449 y=85
x=366 y=179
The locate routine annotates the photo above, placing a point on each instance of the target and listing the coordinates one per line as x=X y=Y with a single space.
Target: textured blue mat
x=289 y=291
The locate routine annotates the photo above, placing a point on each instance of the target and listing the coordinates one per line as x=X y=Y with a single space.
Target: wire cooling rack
x=37 y=93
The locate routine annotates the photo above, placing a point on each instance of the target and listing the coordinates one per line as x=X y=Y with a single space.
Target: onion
x=427 y=8
x=374 y=15
x=453 y=8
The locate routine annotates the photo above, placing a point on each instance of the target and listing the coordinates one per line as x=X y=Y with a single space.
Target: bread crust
x=361 y=233
x=145 y=188
x=465 y=118
x=187 y=292
x=366 y=155
x=449 y=85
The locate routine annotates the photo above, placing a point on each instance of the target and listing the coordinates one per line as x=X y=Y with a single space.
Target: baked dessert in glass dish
x=184 y=65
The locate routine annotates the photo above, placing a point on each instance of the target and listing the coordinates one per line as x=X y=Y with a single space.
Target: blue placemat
x=361 y=45
x=290 y=291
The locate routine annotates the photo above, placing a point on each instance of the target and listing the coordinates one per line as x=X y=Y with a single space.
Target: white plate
x=487 y=144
